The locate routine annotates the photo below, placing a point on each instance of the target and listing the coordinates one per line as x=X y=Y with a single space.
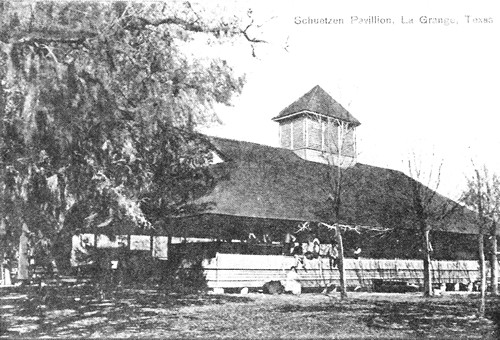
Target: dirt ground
x=75 y=312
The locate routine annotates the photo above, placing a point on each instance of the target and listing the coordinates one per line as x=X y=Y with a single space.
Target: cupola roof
x=318 y=101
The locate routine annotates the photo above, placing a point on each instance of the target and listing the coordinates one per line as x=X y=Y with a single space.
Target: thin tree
x=492 y=212
x=492 y=183
x=483 y=196
x=428 y=209
x=335 y=146
x=494 y=257
x=337 y=141
x=421 y=200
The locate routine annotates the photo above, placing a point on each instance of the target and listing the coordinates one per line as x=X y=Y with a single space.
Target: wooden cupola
x=319 y=129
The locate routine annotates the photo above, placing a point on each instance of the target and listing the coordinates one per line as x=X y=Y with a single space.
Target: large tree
x=99 y=104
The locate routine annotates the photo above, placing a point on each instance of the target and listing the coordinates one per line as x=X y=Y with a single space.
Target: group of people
x=312 y=249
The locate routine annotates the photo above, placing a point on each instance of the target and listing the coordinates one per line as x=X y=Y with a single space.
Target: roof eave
x=290 y=115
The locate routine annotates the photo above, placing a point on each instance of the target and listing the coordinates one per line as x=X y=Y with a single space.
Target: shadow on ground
x=85 y=311
x=429 y=318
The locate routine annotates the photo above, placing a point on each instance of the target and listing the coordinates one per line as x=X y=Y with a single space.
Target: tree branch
x=190 y=26
x=356 y=228
x=247 y=37
x=336 y=226
x=195 y=26
x=78 y=37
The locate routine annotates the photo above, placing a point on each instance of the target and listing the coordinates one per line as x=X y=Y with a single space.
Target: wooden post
x=169 y=247
x=151 y=244
x=217 y=270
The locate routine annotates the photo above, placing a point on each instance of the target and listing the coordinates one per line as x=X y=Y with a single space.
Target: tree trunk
x=482 y=275
x=427 y=265
x=343 y=291
x=2 y=272
x=494 y=261
x=23 y=259
x=421 y=215
x=3 y=247
x=480 y=240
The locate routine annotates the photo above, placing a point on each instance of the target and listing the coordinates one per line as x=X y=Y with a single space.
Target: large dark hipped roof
x=264 y=182
x=319 y=101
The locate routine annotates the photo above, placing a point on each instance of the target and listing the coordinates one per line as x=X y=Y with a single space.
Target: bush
x=273 y=287
x=183 y=272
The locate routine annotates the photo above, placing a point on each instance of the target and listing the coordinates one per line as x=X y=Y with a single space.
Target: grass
x=75 y=312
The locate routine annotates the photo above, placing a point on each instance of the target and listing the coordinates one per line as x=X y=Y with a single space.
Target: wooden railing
x=235 y=270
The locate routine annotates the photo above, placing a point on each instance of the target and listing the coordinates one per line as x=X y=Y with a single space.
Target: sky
x=424 y=91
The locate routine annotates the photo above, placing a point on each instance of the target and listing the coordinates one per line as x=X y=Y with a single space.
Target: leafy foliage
x=99 y=103
x=483 y=194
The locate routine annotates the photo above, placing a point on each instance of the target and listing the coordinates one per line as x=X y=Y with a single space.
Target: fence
x=237 y=271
